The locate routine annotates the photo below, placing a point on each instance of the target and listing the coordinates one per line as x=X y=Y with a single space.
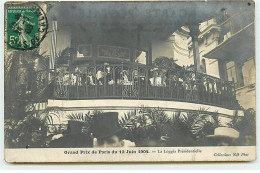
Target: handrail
x=124 y=81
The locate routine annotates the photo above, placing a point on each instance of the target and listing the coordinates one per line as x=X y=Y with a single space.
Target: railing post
x=208 y=93
x=114 y=79
x=146 y=82
x=222 y=93
x=96 y=82
x=54 y=82
x=138 y=83
x=184 y=87
x=122 y=90
x=86 y=81
x=76 y=83
x=69 y=87
x=196 y=95
x=177 y=87
x=105 y=81
x=213 y=91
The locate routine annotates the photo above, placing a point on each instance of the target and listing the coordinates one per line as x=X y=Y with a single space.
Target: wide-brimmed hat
x=154 y=69
x=224 y=132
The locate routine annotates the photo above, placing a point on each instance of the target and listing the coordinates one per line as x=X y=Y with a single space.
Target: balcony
x=137 y=82
x=236 y=24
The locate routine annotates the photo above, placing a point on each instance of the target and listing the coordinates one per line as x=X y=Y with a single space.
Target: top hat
x=106 y=125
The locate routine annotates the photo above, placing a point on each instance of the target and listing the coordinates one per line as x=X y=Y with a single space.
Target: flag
x=52 y=58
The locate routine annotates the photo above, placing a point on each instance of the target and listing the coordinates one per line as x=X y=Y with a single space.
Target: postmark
x=26 y=26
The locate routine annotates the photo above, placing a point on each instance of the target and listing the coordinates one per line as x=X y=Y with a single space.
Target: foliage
x=29 y=132
x=190 y=127
x=46 y=115
x=203 y=125
x=25 y=126
x=152 y=124
x=248 y=134
x=18 y=82
x=165 y=62
x=97 y=111
x=32 y=130
x=79 y=117
x=196 y=123
x=234 y=121
x=128 y=119
x=144 y=125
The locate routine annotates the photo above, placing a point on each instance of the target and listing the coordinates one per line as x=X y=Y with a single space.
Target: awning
x=151 y=19
x=239 y=46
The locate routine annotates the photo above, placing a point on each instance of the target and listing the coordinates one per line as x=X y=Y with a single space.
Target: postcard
x=129 y=81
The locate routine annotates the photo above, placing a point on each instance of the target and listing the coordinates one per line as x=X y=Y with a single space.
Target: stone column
x=194 y=33
x=222 y=69
x=239 y=73
x=149 y=57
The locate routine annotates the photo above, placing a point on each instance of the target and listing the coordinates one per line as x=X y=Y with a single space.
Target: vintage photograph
x=111 y=75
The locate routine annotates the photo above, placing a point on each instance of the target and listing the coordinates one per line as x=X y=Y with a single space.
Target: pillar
x=239 y=73
x=194 y=33
x=149 y=58
x=222 y=69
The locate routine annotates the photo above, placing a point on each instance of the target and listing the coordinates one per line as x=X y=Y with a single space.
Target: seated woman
x=109 y=75
x=90 y=79
x=124 y=80
x=156 y=80
x=100 y=77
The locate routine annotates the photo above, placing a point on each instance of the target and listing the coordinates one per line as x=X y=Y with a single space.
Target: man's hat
x=106 y=125
x=224 y=132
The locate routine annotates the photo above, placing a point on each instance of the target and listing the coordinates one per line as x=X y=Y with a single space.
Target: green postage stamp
x=25 y=27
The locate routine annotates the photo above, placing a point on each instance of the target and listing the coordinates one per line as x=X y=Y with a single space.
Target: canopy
x=124 y=20
x=241 y=45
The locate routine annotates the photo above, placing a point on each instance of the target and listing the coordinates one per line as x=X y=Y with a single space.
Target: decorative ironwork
x=142 y=82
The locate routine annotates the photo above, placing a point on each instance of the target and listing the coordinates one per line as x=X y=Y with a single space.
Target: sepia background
x=145 y=74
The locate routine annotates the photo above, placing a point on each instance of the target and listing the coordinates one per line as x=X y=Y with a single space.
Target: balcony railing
x=137 y=82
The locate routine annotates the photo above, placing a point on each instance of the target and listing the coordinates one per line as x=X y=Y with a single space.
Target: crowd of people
x=120 y=75
x=141 y=77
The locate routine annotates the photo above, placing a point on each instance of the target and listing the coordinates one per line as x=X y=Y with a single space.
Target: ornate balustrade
x=138 y=82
